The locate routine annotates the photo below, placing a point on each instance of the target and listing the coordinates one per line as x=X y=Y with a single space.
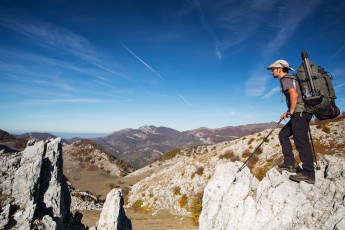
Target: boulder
x=113 y=215
x=237 y=200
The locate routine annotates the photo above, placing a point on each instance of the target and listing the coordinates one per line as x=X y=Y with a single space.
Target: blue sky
x=101 y=66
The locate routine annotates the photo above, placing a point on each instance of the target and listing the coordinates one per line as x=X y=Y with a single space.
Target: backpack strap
x=300 y=107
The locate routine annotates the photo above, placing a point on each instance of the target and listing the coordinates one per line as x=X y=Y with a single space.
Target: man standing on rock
x=298 y=125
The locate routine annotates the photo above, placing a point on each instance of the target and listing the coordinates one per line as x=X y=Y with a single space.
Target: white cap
x=280 y=64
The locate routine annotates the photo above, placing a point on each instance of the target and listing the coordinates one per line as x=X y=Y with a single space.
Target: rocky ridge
x=176 y=181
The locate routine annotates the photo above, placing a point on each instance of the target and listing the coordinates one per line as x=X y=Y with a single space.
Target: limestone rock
x=239 y=201
x=113 y=215
x=36 y=191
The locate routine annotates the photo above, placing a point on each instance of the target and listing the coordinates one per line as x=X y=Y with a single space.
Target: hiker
x=297 y=126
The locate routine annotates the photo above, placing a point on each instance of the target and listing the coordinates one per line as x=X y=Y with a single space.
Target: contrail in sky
x=209 y=29
x=184 y=99
x=145 y=64
x=335 y=54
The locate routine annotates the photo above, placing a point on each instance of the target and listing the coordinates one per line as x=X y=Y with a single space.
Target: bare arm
x=293 y=102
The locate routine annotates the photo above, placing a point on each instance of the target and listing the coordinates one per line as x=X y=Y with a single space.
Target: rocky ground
x=237 y=200
x=174 y=191
x=177 y=182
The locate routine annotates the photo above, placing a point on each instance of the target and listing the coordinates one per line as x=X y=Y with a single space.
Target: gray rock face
x=113 y=215
x=239 y=201
x=34 y=192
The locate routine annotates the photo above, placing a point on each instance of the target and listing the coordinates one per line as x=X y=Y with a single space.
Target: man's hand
x=285 y=115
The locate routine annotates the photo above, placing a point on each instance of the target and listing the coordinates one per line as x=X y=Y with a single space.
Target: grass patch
x=183 y=201
x=326 y=129
x=177 y=190
x=246 y=153
x=229 y=154
x=171 y=154
x=138 y=206
x=196 y=208
x=200 y=170
x=108 y=176
x=251 y=140
x=261 y=172
x=252 y=161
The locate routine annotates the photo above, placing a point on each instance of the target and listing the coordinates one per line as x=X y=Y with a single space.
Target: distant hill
x=40 y=136
x=9 y=143
x=37 y=135
x=213 y=136
x=15 y=143
x=146 y=144
x=5 y=136
x=142 y=146
x=86 y=154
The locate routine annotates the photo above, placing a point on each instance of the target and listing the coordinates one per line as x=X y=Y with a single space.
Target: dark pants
x=298 y=127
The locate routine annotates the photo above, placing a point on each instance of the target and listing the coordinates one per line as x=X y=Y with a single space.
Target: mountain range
x=144 y=145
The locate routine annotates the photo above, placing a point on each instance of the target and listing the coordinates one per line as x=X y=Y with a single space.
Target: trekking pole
x=245 y=163
x=314 y=153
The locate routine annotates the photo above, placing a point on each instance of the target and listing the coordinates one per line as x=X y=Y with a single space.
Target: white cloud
x=240 y=21
x=256 y=84
x=59 y=38
x=288 y=22
x=62 y=101
x=271 y=93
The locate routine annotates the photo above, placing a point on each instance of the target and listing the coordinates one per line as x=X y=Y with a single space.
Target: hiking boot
x=288 y=168
x=300 y=177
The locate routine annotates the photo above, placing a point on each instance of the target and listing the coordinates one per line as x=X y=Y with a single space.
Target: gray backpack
x=317 y=89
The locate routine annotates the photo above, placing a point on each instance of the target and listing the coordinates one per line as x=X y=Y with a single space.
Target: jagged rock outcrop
x=239 y=201
x=34 y=192
x=113 y=215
